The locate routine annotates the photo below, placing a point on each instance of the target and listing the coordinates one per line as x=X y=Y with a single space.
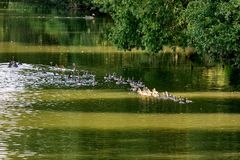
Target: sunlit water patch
x=24 y=76
x=13 y=106
x=11 y=80
x=15 y=103
x=127 y=121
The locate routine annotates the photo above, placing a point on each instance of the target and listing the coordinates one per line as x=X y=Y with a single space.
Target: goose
x=15 y=64
x=10 y=64
x=155 y=93
x=89 y=17
x=134 y=89
x=139 y=91
x=146 y=92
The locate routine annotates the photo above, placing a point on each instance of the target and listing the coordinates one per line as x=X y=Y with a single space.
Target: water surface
x=40 y=120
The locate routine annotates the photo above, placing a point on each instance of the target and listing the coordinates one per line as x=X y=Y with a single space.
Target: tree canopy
x=145 y=24
x=211 y=27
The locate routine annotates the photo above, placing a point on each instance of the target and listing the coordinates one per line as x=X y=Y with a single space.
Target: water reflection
x=217 y=75
x=53 y=30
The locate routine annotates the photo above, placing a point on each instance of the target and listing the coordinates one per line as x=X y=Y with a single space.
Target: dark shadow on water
x=140 y=105
x=129 y=144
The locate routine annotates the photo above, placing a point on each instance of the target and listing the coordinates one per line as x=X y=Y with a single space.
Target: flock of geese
x=142 y=90
x=13 y=63
x=55 y=75
x=61 y=76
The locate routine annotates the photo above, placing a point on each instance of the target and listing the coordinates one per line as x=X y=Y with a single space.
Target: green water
x=107 y=121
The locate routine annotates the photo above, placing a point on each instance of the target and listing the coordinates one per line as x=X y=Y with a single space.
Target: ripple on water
x=14 y=81
x=37 y=76
x=12 y=90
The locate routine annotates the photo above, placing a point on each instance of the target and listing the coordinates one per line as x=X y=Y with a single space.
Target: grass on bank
x=13 y=47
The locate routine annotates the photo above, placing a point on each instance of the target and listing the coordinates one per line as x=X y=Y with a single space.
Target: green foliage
x=159 y=24
x=213 y=28
x=128 y=35
x=147 y=24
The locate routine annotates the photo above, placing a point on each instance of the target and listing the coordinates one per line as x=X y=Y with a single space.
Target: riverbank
x=12 y=47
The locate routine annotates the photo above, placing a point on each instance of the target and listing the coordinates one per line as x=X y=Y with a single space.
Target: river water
x=42 y=119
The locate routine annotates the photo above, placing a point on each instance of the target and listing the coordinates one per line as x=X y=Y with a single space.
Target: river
x=42 y=119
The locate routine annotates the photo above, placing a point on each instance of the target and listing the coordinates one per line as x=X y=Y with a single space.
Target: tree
x=213 y=28
x=145 y=24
